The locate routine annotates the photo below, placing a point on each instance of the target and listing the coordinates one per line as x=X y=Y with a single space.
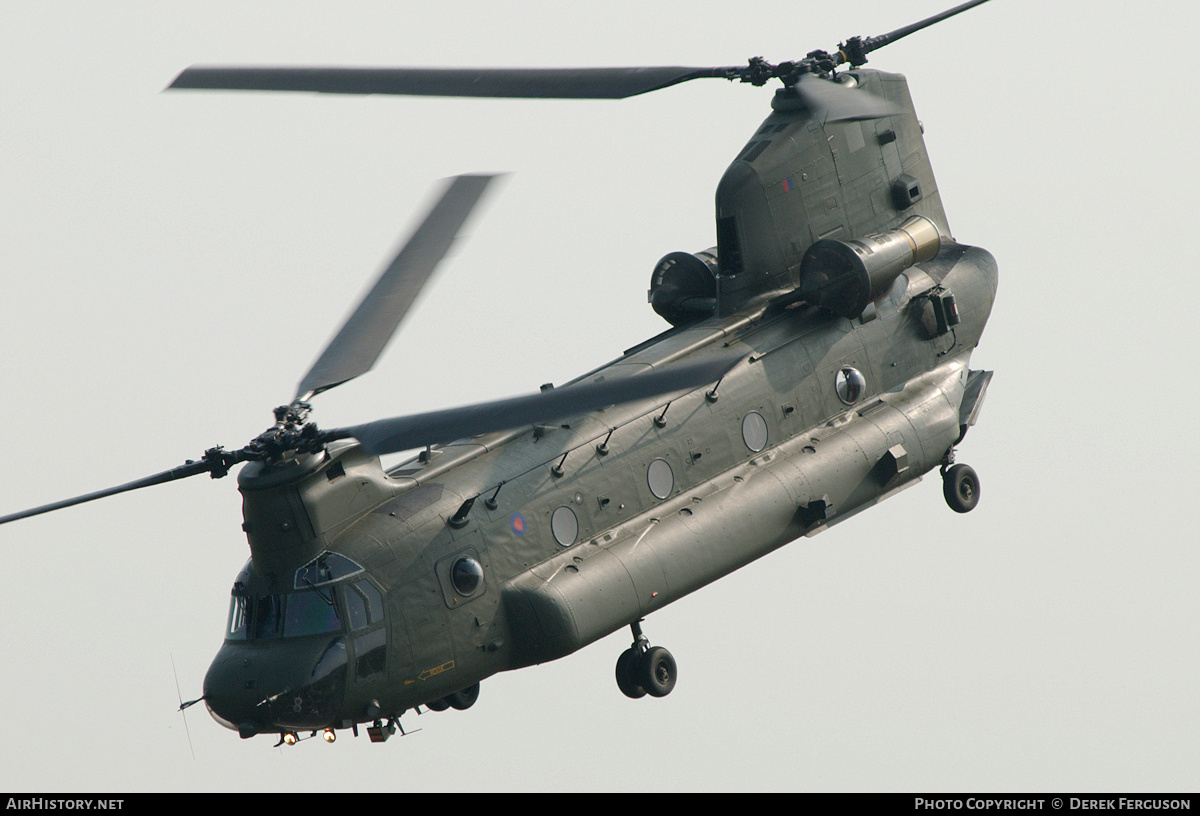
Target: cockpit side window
x=238 y=618
x=252 y=618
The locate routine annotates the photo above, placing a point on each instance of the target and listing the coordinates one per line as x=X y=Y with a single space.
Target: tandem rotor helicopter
x=817 y=363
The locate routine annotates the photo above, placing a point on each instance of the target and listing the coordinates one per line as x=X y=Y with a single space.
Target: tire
x=960 y=485
x=627 y=670
x=658 y=672
x=462 y=700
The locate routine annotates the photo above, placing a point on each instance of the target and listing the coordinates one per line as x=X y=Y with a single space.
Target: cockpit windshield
x=309 y=612
x=322 y=586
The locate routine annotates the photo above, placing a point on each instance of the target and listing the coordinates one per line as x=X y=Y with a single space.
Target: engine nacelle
x=844 y=276
x=683 y=288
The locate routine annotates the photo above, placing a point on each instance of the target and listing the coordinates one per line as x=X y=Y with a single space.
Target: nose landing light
x=291 y=737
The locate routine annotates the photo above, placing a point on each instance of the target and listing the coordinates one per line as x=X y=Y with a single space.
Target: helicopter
x=817 y=363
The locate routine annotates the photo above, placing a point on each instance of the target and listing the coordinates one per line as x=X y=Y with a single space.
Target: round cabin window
x=466 y=575
x=850 y=385
x=565 y=526
x=754 y=431
x=660 y=478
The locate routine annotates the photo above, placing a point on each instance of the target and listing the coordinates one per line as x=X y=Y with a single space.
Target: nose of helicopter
x=280 y=685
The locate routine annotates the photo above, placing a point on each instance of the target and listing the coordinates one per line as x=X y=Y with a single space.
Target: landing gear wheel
x=438 y=705
x=657 y=672
x=960 y=485
x=462 y=700
x=627 y=670
x=644 y=669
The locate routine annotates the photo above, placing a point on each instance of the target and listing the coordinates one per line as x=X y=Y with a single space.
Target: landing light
x=290 y=738
x=328 y=735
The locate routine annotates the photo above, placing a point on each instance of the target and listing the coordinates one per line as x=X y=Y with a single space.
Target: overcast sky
x=172 y=263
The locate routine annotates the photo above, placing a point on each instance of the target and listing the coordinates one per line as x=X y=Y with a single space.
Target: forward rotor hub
x=291 y=434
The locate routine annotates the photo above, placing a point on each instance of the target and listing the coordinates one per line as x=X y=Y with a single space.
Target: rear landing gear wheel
x=960 y=485
x=644 y=669
x=627 y=670
x=658 y=672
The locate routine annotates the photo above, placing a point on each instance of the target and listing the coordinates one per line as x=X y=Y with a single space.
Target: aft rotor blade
x=181 y=472
x=835 y=102
x=358 y=344
x=435 y=427
x=513 y=83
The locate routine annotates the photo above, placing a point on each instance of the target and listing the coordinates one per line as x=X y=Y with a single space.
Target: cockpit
x=291 y=651
x=324 y=600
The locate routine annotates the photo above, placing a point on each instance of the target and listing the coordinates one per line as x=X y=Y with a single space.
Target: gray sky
x=172 y=263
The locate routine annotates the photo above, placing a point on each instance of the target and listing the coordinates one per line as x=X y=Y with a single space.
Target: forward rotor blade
x=513 y=83
x=835 y=102
x=872 y=43
x=181 y=472
x=419 y=430
x=358 y=344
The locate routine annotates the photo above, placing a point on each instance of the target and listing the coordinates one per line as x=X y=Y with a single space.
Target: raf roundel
x=517 y=524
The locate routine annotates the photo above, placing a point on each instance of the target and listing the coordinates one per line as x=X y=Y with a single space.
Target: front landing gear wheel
x=960 y=485
x=462 y=700
x=627 y=672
